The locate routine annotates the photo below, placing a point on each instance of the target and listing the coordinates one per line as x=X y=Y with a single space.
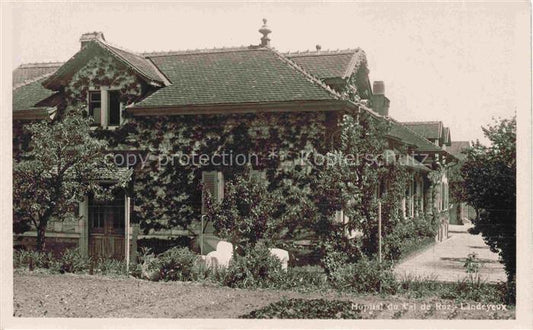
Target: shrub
x=307 y=278
x=365 y=276
x=256 y=268
x=71 y=261
x=407 y=235
x=107 y=266
x=176 y=264
x=32 y=259
x=306 y=309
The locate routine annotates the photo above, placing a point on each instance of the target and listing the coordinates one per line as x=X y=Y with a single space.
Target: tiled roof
x=143 y=65
x=328 y=64
x=27 y=73
x=428 y=129
x=409 y=136
x=457 y=148
x=26 y=96
x=230 y=76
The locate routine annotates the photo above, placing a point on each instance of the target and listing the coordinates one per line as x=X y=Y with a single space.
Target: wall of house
x=103 y=71
x=167 y=186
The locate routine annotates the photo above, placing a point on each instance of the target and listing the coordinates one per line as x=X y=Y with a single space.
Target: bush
x=71 y=261
x=176 y=264
x=407 y=235
x=306 y=309
x=106 y=266
x=32 y=259
x=256 y=268
x=365 y=276
x=308 y=278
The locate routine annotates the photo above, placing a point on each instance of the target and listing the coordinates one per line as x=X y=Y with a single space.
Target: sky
x=454 y=62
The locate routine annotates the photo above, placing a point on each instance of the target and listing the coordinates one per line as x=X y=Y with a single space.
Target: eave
x=292 y=106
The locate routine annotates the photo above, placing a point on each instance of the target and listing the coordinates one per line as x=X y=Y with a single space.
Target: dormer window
x=105 y=107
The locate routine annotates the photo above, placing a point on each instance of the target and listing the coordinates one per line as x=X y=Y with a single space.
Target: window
x=95 y=106
x=105 y=107
x=114 y=108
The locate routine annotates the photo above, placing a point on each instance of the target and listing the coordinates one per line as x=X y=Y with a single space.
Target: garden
x=254 y=285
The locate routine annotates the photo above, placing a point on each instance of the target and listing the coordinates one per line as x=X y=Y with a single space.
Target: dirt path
x=38 y=295
x=445 y=260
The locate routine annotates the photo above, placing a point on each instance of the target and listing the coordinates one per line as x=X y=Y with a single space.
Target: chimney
x=88 y=37
x=380 y=103
x=264 y=30
x=318 y=48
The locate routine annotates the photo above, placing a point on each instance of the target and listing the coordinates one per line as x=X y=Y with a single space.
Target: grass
x=306 y=309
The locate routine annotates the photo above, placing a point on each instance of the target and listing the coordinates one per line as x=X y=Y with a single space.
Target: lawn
x=39 y=294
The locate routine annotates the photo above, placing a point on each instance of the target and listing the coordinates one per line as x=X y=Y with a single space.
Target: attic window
x=105 y=107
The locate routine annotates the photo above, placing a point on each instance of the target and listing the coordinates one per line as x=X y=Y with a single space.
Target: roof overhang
x=292 y=106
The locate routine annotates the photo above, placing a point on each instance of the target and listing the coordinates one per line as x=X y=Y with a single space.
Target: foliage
x=364 y=276
x=489 y=174
x=256 y=268
x=71 y=261
x=167 y=142
x=418 y=287
x=105 y=266
x=32 y=259
x=306 y=309
x=62 y=164
x=407 y=234
x=175 y=264
x=307 y=278
x=245 y=215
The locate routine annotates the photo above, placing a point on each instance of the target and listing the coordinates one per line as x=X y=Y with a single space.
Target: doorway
x=106 y=227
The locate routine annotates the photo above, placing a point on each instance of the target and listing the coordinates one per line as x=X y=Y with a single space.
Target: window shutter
x=212 y=182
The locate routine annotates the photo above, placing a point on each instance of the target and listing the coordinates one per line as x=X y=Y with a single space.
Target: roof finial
x=264 y=30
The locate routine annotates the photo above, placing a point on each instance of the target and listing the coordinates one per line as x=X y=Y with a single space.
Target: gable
x=337 y=68
x=103 y=71
x=430 y=130
x=136 y=63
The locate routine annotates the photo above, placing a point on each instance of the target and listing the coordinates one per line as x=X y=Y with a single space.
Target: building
x=204 y=102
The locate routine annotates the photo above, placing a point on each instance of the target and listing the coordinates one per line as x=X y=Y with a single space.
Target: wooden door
x=106 y=228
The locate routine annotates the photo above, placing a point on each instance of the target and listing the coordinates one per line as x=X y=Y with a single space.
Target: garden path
x=445 y=261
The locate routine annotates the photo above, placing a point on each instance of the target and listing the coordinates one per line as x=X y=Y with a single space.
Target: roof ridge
x=309 y=76
x=421 y=122
x=29 y=81
x=200 y=51
x=321 y=52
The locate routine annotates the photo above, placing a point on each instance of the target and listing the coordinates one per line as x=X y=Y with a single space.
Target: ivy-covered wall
x=102 y=71
x=167 y=184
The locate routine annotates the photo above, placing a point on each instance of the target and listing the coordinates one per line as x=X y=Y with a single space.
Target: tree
x=489 y=174
x=63 y=162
